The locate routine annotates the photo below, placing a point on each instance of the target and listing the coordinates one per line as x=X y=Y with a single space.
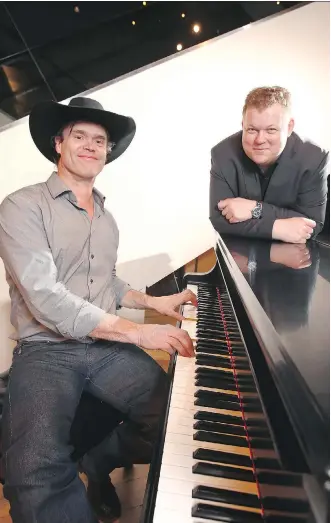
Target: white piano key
x=183 y=444
x=161 y=516
x=180 y=418
x=190 y=327
x=175 y=508
x=182 y=430
x=184 y=487
x=179 y=460
x=182 y=481
x=190 y=313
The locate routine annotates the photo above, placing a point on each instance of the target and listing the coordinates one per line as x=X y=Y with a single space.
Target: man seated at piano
x=59 y=246
x=266 y=182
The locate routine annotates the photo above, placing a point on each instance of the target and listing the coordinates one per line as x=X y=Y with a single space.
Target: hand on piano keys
x=167 y=337
x=167 y=305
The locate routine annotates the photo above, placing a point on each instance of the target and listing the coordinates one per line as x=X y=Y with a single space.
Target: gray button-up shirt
x=60 y=264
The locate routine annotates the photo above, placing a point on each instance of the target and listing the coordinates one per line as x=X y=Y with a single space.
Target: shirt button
x=91 y=281
x=92 y=256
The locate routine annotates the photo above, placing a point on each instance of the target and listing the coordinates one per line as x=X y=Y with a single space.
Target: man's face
x=83 y=149
x=265 y=133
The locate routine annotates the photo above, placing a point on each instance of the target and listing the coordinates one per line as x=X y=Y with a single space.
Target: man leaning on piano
x=267 y=182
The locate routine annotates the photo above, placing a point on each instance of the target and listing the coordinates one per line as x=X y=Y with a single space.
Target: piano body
x=245 y=434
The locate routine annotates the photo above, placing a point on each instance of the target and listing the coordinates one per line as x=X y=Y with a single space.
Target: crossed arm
x=233 y=215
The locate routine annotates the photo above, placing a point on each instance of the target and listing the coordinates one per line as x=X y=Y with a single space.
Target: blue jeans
x=45 y=386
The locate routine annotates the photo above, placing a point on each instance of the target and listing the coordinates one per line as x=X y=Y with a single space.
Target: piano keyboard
x=218 y=461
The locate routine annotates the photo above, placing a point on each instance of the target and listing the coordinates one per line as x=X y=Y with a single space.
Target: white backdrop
x=158 y=190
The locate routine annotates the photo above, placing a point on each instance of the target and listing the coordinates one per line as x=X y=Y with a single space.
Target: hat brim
x=47 y=118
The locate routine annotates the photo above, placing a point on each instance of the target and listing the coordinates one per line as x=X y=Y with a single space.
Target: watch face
x=256 y=212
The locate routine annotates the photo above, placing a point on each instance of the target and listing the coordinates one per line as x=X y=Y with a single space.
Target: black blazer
x=298 y=185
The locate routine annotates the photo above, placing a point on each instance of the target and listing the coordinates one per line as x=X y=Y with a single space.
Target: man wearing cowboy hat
x=59 y=247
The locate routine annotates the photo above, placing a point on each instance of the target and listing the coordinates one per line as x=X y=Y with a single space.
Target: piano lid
x=297 y=343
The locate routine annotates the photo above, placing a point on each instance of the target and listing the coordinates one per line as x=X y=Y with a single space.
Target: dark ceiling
x=55 y=50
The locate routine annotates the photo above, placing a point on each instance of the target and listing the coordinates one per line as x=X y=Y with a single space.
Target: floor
x=131 y=485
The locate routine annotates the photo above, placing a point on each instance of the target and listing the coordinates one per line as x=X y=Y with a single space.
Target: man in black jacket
x=266 y=182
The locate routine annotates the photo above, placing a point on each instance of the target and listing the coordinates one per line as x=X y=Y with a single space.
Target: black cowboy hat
x=47 y=118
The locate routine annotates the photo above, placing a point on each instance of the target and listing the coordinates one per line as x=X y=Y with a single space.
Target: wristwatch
x=257 y=211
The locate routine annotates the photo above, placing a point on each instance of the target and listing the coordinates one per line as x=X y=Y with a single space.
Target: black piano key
x=222 y=345
x=225 y=363
x=205 y=302
x=215 y=361
x=242 y=379
x=212 y=361
x=246 y=400
x=231 y=328
x=235 y=344
x=225 y=496
x=222 y=471
x=222 y=380
x=239 y=375
x=222 y=354
x=218 y=495
x=226 y=428
x=226 y=324
x=220 y=337
x=235 y=441
x=264 y=478
x=218 y=384
x=210 y=314
x=236 y=357
x=239 y=356
x=210 y=311
x=228 y=335
x=224 y=405
x=218 y=456
x=215 y=334
x=214 y=314
x=227 y=418
x=226 y=515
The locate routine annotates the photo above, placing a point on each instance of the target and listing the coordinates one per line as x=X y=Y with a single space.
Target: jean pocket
x=25 y=347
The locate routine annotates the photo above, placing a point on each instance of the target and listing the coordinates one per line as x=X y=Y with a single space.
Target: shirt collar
x=57 y=187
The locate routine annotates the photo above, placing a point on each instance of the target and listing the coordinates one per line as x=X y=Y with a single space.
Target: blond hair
x=263 y=97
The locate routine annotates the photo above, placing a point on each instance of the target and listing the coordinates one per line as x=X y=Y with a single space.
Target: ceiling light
x=183 y=15
x=278 y=3
x=133 y=22
x=76 y=9
x=144 y=3
x=196 y=28
x=179 y=47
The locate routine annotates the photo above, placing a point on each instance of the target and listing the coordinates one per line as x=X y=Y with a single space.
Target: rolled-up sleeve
x=28 y=259
x=120 y=287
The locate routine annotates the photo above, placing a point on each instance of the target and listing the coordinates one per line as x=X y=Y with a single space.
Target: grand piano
x=245 y=432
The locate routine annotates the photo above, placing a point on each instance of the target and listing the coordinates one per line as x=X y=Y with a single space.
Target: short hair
x=59 y=134
x=263 y=97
